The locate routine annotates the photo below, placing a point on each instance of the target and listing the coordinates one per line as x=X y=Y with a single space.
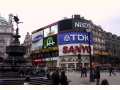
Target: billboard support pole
x=91 y=77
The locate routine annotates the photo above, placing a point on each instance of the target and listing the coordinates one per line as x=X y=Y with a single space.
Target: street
x=76 y=79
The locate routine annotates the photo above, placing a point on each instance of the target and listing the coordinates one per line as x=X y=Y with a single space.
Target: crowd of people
x=95 y=72
x=58 y=77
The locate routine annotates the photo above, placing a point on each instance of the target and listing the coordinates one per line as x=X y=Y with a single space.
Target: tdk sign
x=37 y=38
x=75 y=37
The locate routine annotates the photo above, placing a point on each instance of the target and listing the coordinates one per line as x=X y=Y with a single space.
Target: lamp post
x=91 y=79
x=90 y=56
x=79 y=57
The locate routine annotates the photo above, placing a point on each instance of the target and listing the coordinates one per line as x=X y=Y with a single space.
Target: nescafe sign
x=79 y=24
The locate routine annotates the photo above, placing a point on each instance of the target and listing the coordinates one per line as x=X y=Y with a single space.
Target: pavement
x=21 y=81
x=75 y=78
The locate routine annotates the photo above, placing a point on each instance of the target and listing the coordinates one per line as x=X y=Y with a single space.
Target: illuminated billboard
x=73 y=24
x=37 y=40
x=74 y=38
x=75 y=49
x=50 y=41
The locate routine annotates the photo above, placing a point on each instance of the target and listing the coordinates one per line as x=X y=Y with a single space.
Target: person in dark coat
x=27 y=80
x=97 y=73
x=84 y=72
x=111 y=71
x=55 y=78
x=63 y=78
x=48 y=75
x=105 y=82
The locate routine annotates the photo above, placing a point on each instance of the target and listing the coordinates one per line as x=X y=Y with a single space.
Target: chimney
x=77 y=16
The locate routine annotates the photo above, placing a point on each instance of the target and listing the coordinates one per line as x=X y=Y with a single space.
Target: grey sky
x=38 y=13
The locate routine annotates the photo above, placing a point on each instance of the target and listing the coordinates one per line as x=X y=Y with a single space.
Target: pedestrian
x=105 y=82
x=27 y=80
x=111 y=71
x=48 y=75
x=97 y=75
x=84 y=72
x=63 y=78
x=55 y=77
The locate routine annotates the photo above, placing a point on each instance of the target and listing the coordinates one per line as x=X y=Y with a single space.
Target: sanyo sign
x=80 y=24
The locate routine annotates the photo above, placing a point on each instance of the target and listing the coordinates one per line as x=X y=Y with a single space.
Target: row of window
x=95 y=39
x=98 y=46
x=99 y=34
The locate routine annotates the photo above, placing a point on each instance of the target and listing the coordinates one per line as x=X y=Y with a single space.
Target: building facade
x=6 y=33
x=113 y=47
x=60 y=43
x=69 y=43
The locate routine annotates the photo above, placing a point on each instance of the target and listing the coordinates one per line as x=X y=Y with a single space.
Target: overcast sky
x=38 y=13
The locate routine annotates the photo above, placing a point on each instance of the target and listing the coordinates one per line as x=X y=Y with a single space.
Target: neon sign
x=37 y=38
x=50 y=41
x=74 y=37
x=75 y=49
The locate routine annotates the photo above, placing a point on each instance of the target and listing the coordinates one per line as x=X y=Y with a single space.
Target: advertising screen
x=75 y=49
x=79 y=24
x=50 y=41
x=74 y=38
x=37 y=40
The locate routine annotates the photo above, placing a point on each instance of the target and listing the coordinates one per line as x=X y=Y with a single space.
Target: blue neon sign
x=75 y=37
x=37 y=38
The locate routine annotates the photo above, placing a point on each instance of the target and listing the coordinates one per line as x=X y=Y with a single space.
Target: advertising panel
x=79 y=24
x=74 y=38
x=37 y=40
x=75 y=49
x=49 y=31
x=50 y=41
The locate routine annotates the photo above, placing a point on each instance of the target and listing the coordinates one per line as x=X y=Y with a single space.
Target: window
x=46 y=32
x=54 y=29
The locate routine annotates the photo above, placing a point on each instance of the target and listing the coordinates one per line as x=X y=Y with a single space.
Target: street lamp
x=79 y=57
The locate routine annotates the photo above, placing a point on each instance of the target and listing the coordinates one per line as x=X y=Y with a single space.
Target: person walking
x=111 y=71
x=84 y=72
x=97 y=73
x=55 y=77
x=63 y=79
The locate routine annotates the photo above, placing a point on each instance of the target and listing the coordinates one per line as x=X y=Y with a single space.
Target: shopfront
x=71 y=44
